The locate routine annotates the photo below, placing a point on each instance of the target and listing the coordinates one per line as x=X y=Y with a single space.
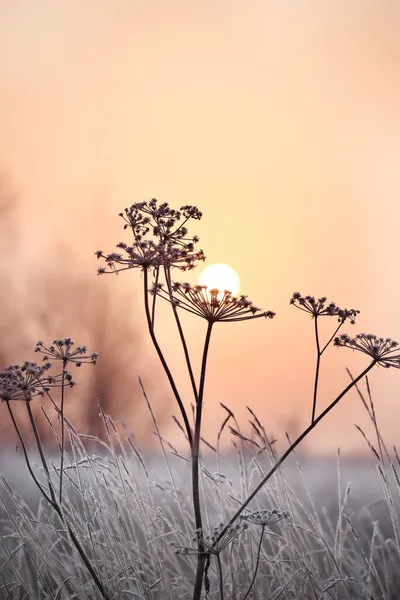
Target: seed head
x=62 y=350
x=211 y=545
x=211 y=304
x=265 y=517
x=320 y=308
x=160 y=238
x=29 y=380
x=384 y=351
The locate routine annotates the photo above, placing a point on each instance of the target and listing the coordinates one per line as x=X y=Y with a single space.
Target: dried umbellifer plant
x=160 y=243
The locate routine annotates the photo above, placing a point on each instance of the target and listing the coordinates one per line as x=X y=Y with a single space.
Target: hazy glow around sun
x=220 y=276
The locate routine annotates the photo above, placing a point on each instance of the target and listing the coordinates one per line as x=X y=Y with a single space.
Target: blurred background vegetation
x=54 y=298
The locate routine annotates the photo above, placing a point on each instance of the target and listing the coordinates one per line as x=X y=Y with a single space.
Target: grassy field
x=133 y=512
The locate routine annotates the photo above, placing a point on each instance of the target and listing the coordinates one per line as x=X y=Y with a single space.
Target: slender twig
x=220 y=579
x=85 y=559
x=290 y=450
x=61 y=415
x=41 y=453
x=332 y=336
x=53 y=500
x=201 y=559
x=181 y=334
x=316 y=369
x=257 y=563
x=24 y=449
x=153 y=307
x=320 y=352
x=164 y=363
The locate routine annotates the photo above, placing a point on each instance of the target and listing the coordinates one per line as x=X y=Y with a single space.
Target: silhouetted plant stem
x=316 y=369
x=331 y=338
x=153 y=307
x=181 y=335
x=85 y=559
x=319 y=354
x=61 y=415
x=28 y=463
x=164 y=363
x=290 y=450
x=53 y=500
x=220 y=579
x=257 y=563
x=41 y=453
x=201 y=557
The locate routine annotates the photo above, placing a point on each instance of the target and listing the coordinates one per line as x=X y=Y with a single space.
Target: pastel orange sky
x=279 y=120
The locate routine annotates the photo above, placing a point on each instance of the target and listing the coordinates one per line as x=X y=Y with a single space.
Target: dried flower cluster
x=212 y=543
x=62 y=350
x=160 y=239
x=211 y=304
x=29 y=380
x=320 y=308
x=265 y=517
x=383 y=351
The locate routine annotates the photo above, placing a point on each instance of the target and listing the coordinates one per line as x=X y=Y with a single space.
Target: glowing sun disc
x=220 y=276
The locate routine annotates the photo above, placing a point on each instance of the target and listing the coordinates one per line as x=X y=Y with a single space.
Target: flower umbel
x=210 y=304
x=162 y=221
x=29 y=380
x=265 y=517
x=384 y=351
x=213 y=545
x=62 y=350
x=320 y=308
x=169 y=244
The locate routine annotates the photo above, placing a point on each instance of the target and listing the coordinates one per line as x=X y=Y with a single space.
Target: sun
x=220 y=276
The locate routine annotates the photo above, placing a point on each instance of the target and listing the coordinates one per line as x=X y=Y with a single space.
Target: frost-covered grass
x=132 y=512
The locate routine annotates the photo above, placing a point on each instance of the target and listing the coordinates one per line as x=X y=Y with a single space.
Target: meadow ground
x=132 y=512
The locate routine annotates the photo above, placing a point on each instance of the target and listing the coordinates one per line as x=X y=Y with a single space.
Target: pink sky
x=279 y=120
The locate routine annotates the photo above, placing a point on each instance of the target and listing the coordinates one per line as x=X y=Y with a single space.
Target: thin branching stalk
x=153 y=306
x=163 y=449
x=53 y=500
x=181 y=334
x=61 y=416
x=291 y=448
x=26 y=455
x=316 y=369
x=257 y=563
x=332 y=336
x=201 y=558
x=41 y=453
x=164 y=363
x=220 y=578
x=320 y=352
x=85 y=559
